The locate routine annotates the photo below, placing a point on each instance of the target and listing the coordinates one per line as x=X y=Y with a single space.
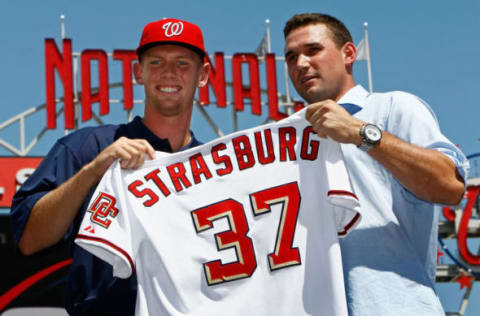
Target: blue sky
x=429 y=48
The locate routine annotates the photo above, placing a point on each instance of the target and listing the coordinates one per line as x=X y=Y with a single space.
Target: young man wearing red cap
x=48 y=208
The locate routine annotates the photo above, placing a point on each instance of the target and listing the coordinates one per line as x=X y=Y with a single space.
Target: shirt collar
x=356 y=95
x=136 y=129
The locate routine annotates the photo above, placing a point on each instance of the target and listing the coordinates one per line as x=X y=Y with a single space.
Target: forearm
x=427 y=173
x=53 y=214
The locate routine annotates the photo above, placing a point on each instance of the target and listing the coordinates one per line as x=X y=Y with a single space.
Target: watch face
x=373 y=133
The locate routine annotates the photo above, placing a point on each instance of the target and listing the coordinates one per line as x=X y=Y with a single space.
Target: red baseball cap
x=172 y=31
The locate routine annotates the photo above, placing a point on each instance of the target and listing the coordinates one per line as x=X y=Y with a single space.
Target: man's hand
x=427 y=173
x=329 y=119
x=53 y=214
x=131 y=152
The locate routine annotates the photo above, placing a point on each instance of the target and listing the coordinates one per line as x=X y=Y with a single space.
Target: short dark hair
x=340 y=33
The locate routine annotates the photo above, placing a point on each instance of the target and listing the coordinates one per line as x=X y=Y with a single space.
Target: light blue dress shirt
x=389 y=259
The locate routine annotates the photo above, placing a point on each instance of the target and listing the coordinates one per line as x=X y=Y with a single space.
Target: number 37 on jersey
x=283 y=255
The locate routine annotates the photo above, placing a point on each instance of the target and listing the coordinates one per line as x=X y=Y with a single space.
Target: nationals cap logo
x=172 y=31
x=173 y=28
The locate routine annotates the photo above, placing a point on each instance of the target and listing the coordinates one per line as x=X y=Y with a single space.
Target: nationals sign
x=61 y=62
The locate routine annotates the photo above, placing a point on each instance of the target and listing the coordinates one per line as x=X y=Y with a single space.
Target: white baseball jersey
x=247 y=224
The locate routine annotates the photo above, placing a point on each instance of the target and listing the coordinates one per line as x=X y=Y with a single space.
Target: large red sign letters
x=62 y=63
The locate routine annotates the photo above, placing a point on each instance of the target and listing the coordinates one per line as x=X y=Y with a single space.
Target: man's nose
x=169 y=68
x=303 y=61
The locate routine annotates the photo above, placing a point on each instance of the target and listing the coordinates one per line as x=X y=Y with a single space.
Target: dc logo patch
x=102 y=208
x=173 y=29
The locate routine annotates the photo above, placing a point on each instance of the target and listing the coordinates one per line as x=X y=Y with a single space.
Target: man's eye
x=290 y=58
x=313 y=50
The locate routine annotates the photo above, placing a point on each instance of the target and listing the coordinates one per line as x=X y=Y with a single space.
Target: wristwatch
x=371 y=135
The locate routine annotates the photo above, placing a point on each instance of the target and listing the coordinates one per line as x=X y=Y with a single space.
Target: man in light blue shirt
x=399 y=162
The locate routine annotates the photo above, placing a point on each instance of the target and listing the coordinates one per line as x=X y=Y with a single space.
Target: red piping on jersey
x=341 y=192
x=110 y=244
x=21 y=287
x=349 y=225
x=355 y=218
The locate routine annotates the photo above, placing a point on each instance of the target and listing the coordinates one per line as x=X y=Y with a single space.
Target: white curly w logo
x=173 y=29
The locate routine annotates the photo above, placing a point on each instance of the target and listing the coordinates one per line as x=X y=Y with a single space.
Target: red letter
x=153 y=175
x=132 y=187
x=199 y=167
x=245 y=152
x=287 y=145
x=471 y=195
x=63 y=63
x=272 y=88
x=448 y=213
x=221 y=159
x=270 y=157
x=126 y=56
x=313 y=144
x=216 y=79
x=177 y=174
x=298 y=105
x=239 y=91
x=102 y=95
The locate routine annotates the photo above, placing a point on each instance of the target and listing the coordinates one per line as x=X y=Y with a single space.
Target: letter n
x=63 y=63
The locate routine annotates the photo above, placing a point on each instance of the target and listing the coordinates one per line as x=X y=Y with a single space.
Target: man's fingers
x=316 y=111
x=318 y=108
x=123 y=155
x=318 y=128
x=312 y=110
x=315 y=118
x=140 y=161
x=144 y=146
x=149 y=149
x=131 y=152
x=137 y=156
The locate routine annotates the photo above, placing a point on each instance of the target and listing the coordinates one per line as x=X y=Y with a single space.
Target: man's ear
x=203 y=78
x=137 y=72
x=349 y=52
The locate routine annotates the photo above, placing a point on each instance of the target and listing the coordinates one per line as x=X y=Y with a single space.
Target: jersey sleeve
x=57 y=167
x=340 y=193
x=105 y=230
x=64 y=159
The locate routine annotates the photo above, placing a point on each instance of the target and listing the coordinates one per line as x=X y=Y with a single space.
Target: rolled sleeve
x=457 y=157
x=57 y=167
x=412 y=120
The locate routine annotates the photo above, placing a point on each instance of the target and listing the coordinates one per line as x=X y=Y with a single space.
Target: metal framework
x=449 y=230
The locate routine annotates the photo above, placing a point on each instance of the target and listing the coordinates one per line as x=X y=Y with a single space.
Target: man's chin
x=167 y=109
x=315 y=95
x=312 y=98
